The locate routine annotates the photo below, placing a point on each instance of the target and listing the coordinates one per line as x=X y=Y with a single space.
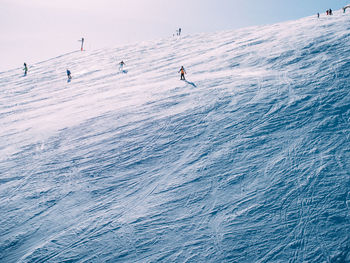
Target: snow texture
x=247 y=161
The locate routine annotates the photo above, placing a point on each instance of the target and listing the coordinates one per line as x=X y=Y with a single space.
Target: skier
x=69 y=75
x=121 y=65
x=82 y=44
x=330 y=12
x=25 y=69
x=318 y=15
x=179 y=31
x=183 y=72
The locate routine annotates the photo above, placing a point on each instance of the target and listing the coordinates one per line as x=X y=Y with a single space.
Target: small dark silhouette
x=183 y=72
x=25 y=69
x=178 y=32
x=330 y=12
x=318 y=15
x=69 y=75
x=121 y=65
x=82 y=44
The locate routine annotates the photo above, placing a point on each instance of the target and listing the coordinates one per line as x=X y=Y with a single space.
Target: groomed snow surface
x=248 y=161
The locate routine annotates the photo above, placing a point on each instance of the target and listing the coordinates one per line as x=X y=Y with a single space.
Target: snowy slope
x=247 y=162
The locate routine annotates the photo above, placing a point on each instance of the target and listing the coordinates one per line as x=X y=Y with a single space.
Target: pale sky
x=36 y=30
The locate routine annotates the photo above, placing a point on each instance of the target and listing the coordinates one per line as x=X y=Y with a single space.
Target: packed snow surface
x=247 y=161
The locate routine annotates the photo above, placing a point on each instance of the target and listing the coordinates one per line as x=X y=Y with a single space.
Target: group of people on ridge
x=329 y=12
x=178 y=32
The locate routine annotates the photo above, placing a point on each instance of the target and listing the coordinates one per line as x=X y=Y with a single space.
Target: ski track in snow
x=247 y=162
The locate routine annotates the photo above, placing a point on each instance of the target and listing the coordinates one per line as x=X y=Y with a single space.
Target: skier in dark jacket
x=121 y=65
x=69 y=74
x=183 y=72
x=25 y=69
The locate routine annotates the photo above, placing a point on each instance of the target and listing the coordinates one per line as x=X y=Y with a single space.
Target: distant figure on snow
x=330 y=12
x=178 y=32
x=69 y=75
x=183 y=72
x=25 y=69
x=318 y=15
x=327 y=12
x=82 y=44
x=121 y=65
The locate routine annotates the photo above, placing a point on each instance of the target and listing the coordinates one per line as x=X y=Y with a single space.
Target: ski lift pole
x=82 y=44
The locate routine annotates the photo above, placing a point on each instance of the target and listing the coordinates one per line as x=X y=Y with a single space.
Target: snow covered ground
x=248 y=161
